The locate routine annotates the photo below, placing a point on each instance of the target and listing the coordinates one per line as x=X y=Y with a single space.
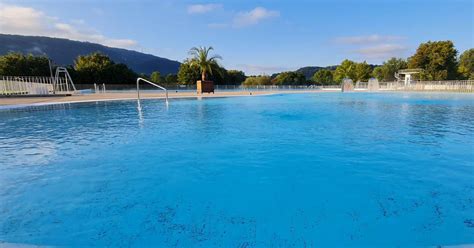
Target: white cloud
x=374 y=38
x=28 y=21
x=375 y=46
x=254 y=16
x=203 y=8
x=262 y=69
x=382 y=51
x=78 y=21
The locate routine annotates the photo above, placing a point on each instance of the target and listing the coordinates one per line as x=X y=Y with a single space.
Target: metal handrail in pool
x=156 y=85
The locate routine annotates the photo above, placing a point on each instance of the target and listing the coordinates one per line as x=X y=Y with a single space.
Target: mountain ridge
x=64 y=51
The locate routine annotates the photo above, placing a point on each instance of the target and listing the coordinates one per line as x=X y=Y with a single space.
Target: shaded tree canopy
x=378 y=73
x=386 y=72
x=171 y=79
x=220 y=75
x=235 y=77
x=17 y=64
x=362 y=72
x=323 y=77
x=155 y=77
x=466 y=64
x=289 y=78
x=258 y=80
x=309 y=71
x=358 y=72
x=345 y=70
x=99 y=68
x=188 y=73
x=437 y=59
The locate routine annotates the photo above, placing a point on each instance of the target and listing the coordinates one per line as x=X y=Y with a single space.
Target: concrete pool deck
x=7 y=101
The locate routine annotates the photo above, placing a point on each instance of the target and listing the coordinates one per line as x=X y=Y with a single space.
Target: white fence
x=13 y=85
x=453 y=86
x=48 y=86
x=130 y=87
x=267 y=87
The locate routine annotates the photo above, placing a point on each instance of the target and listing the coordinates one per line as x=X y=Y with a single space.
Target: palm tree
x=203 y=60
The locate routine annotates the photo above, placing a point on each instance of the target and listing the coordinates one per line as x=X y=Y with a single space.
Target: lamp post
x=51 y=75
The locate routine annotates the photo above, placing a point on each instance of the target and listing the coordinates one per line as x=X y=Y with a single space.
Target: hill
x=309 y=71
x=64 y=51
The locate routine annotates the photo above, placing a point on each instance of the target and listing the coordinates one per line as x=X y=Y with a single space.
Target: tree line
x=99 y=68
x=189 y=73
x=438 y=60
x=92 y=68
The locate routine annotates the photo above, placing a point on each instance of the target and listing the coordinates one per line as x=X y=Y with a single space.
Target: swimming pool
x=298 y=170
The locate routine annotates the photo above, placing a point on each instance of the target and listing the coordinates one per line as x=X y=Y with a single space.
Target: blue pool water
x=299 y=170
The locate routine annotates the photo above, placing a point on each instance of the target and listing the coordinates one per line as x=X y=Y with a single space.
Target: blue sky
x=254 y=36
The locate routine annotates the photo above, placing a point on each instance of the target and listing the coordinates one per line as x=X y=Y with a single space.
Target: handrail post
x=138 y=88
x=156 y=85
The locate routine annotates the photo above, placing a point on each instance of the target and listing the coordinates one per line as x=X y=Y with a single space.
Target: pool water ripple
x=303 y=170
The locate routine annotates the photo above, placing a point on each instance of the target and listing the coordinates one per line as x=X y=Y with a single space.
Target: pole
x=50 y=69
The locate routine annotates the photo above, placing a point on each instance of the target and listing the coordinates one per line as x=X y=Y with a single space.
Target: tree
x=378 y=73
x=17 y=64
x=202 y=59
x=171 y=79
x=466 y=64
x=90 y=68
x=289 y=78
x=323 y=77
x=362 y=72
x=258 y=80
x=99 y=68
x=219 y=76
x=156 y=77
x=387 y=71
x=345 y=70
x=119 y=74
x=235 y=77
x=437 y=59
x=188 y=73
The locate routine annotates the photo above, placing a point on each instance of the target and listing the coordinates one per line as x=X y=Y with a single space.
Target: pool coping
x=15 y=106
x=221 y=95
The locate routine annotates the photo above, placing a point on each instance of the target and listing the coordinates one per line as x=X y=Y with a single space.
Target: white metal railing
x=271 y=87
x=455 y=85
x=10 y=85
x=29 y=85
x=151 y=83
x=448 y=85
x=67 y=78
x=452 y=85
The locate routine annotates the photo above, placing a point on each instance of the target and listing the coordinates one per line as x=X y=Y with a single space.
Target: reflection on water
x=431 y=123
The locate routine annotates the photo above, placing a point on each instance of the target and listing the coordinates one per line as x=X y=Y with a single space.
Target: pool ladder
x=156 y=85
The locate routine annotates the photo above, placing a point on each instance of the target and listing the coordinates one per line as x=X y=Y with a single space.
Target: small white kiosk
x=405 y=75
